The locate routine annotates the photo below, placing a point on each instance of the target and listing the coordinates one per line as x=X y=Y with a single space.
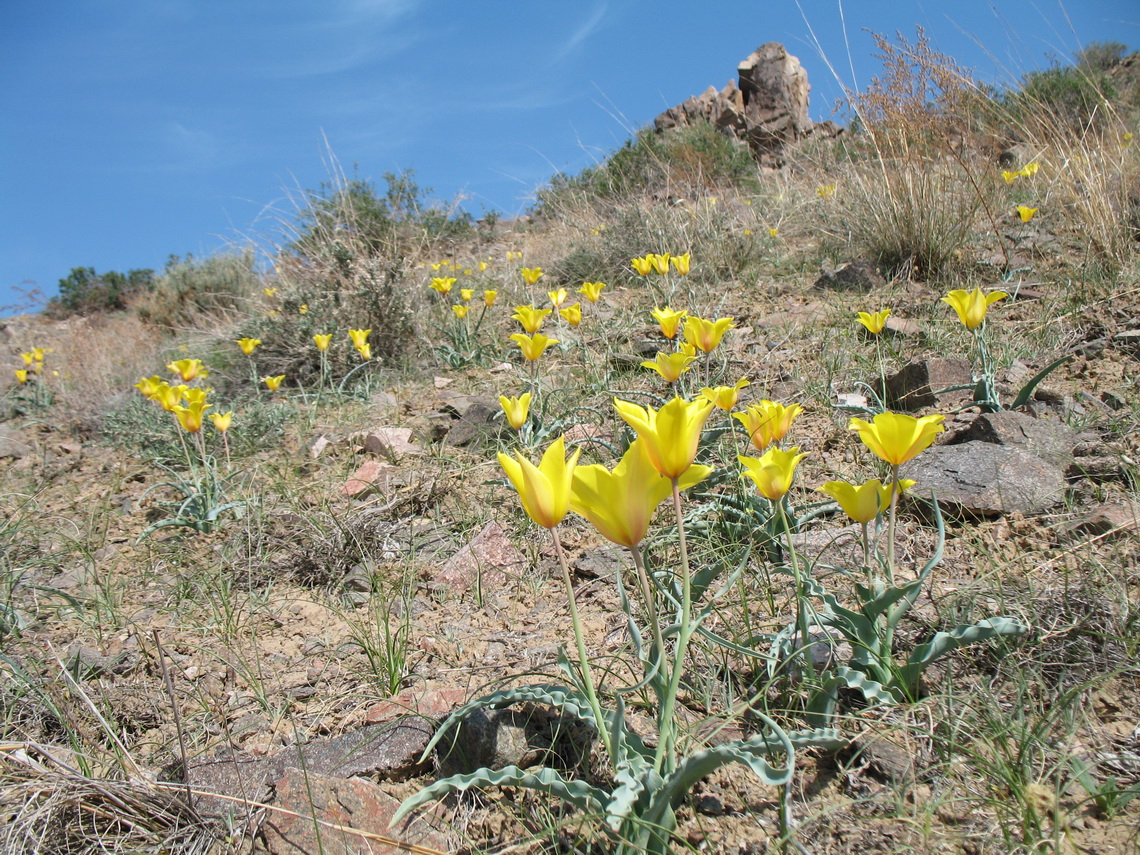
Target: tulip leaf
x=821 y=708
x=545 y=780
x=946 y=642
x=1027 y=390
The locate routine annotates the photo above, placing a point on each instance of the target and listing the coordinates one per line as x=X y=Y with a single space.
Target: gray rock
x=853 y=276
x=981 y=478
x=1050 y=440
x=226 y=787
x=390 y=751
x=920 y=384
x=478 y=422
x=882 y=759
x=13 y=443
x=522 y=737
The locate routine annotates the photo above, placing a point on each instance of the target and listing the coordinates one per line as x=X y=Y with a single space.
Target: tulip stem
x=801 y=590
x=665 y=761
x=891 y=524
x=587 y=676
x=651 y=616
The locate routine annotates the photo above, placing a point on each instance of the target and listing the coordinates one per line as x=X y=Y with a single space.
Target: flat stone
x=230 y=787
x=1107 y=520
x=479 y=421
x=1050 y=440
x=368 y=474
x=852 y=276
x=981 y=478
x=883 y=759
x=390 y=751
x=920 y=384
x=318 y=446
x=13 y=444
x=428 y=704
x=391 y=443
x=903 y=327
x=487 y=561
x=335 y=816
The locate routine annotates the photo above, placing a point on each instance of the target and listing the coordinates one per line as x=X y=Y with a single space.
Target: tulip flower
x=557 y=298
x=773 y=232
x=971 y=306
x=1030 y=169
x=670 y=365
x=168 y=397
x=516 y=409
x=460 y=311
x=681 y=263
x=825 y=191
x=773 y=471
x=443 y=284
x=660 y=263
x=543 y=489
x=724 y=397
x=38 y=353
x=21 y=375
x=864 y=503
x=874 y=322
x=671 y=434
x=669 y=320
x=531 y=275
x=270 y=292
x=1010 y=177
x=149 y=385
x=303 y=309
x=704 y=334
x=248 y=345
x=592 y=290
x=532 y=347
x=572 y=314
x=466 y=294
x=767 y=422
x=530 y=318
x=365 y=351
x=359 y=337
x=273 y=383
x=897 y=437
x=190 y=417
x=192 y=396
x=482 y=266
x=1026 y=213
x=620 y=504
x=322 y=341
x=489 y=298
x=188 y=369
x=222 y=420
x=28 y=358
x=643 y=266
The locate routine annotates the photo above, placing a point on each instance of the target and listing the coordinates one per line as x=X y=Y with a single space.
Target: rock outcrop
x=767 y=106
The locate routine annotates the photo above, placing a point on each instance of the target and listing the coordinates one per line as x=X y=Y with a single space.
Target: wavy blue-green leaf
x=946 y=642
x=545 y=780
x=821 y=707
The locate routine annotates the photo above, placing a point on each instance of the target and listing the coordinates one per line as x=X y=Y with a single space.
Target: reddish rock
x=369 y=473
x=388 y=442
x=921 y=384
x=425 y=703
x=336 y=816
x=487 y=561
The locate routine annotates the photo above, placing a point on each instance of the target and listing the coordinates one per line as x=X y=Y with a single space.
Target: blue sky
x=137 y=129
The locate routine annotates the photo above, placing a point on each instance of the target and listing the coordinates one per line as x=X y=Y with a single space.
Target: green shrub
x=190 y=289
x=84 y=291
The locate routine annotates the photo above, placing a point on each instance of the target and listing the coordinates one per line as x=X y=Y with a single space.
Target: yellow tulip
x=21 y=375
x=620 y=504
x=188 y=369
x=322 y=341
x=704 y=334
x=669 y=320
x=1030 y=169
x=897 y=437
x=572 y=314
x=592 y=290
x=971 y=306
x=168 y=397
x=190 y=417
x=303 y=309
x=773 y=471
x=768 y=422
x=222 y=420
x=516 y=409
x=773 y=232
x=530 y=318
x=531 y=275
x=660 y=263
x=193 y=396
x=359 y=337
x=866 y=502
x=1010 y=177
x=365 y=351
x=874 y=322
x=489 y=298
x=724 y=397
x=825 y=191
x=274 y=383
x=38 y=353
x=248 y=345
x=149 y=385
x=443 y=284
x=532 y=347
x=270 y=292
x=482 y=266
x=681 y=263
x=557 y=298
x=671 y=434
x=466 y=294
x=28 y=358
x=460 y=311
x=670 y=365
x=544 y=489
x=1026 y=213
x=643 y=266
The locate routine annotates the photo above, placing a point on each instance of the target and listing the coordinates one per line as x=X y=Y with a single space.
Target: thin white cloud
x=582 y=33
